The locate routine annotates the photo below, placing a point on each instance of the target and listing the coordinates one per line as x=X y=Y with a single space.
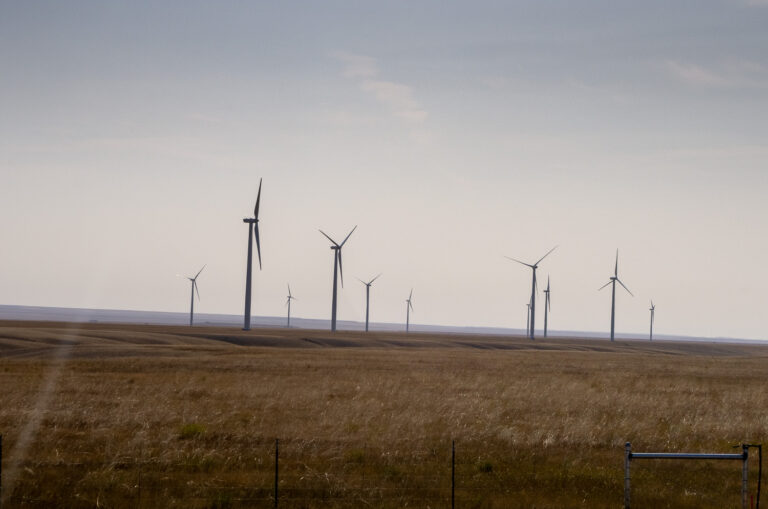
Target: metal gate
x=629 y=456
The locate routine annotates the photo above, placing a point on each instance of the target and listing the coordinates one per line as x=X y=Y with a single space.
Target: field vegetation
x=98 y=415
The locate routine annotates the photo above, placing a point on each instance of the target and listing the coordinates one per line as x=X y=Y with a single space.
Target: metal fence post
x=453 y=474
x=277 y=457
x=627 y=460
x=744 y=475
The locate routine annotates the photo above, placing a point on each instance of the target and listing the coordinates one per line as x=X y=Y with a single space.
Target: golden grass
x=150 y=416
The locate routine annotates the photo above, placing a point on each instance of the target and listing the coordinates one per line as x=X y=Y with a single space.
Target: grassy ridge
x=127 y=416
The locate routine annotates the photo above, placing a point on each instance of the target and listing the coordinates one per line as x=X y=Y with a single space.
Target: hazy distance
x=133 y=137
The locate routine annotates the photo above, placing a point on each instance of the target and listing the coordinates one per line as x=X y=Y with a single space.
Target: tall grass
x=194 y=426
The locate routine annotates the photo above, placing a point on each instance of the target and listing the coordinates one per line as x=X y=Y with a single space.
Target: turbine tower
x=612 y=282
x=367 y=298
x=337 y=269
x=408 y=309
x=252 y=232
x=528 y=320
x=288 y=303
x=547 y=307
x=532 y=319
x=652 y=309
x=192 y=297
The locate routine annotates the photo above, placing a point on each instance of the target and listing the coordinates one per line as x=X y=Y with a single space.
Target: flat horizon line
x=20 y=312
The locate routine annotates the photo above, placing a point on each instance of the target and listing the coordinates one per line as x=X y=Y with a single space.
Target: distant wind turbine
x=534 y=266
x=288 y=303
x=547 y=307
x=367 y=298
x=652 y=309
x=408 y=309
x=252 y=232
x=192 y=297
x=337 y=270
x=613 y=280
x=528 y=319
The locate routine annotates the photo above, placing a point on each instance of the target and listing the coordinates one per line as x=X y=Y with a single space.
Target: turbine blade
x=194 y=283
x=606 y=284
x=347 y=237
x=341 y=269
x=374 y=279
x=545 y=255
x=410 y=304
x=627 y=289
x=366 y=284
x=289 y=291
x=327 y=237
x=258 y=200
x=616 y=268
x=410 y=295
x=518 y=261
x=200 y=271
x=258 y=242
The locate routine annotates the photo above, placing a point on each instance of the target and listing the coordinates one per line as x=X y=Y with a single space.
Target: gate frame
x=629 y=456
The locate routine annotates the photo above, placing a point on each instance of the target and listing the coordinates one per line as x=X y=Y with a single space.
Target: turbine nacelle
x=369 y=283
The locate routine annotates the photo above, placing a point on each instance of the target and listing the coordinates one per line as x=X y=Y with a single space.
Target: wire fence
x=308 y=474
x=285 y=473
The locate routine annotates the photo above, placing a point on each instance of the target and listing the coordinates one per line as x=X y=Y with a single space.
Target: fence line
x=405 y=484
x=743 y=457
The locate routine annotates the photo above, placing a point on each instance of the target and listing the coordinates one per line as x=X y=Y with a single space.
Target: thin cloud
x=397 y=97
x=357 y=66
x=697 y=75
x=734 y=73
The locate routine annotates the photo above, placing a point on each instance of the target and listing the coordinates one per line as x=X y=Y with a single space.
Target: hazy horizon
x=258 y=322
x=133 y=137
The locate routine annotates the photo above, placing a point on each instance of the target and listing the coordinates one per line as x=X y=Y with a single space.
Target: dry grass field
x=98 y=415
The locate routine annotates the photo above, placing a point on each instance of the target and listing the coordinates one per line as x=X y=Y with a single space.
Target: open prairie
x=104 y=415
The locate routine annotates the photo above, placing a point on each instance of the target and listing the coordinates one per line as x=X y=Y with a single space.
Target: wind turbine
x=547 y=307
x=408 y=309
x=288 y=303
x=252 y=232
x=367 y=298
x=612 y=282
x=533 y=289
x=337 y=269
x=652 y=309
x=192 y=297
x=528 y=319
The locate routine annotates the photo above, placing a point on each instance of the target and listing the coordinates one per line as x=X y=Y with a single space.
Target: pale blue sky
x=132 y=138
